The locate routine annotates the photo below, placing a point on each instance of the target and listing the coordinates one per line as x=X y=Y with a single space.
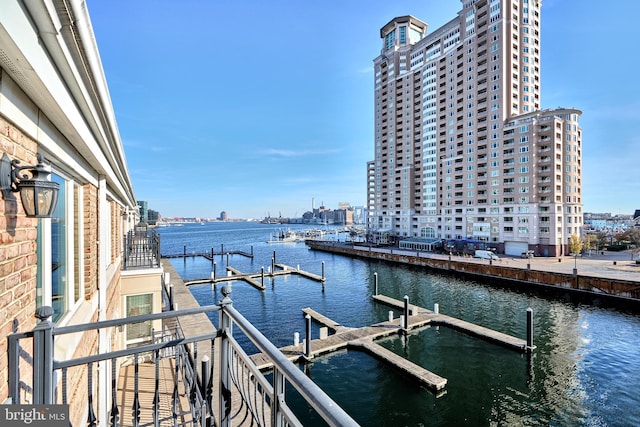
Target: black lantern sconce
x=38 y=195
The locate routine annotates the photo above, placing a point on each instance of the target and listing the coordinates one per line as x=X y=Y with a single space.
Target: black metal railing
x=141 y=248
x=191 y=397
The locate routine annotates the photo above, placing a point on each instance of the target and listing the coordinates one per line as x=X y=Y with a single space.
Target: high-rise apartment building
x=462 y=147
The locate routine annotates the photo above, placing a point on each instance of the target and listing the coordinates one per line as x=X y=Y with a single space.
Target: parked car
x=486 y=255
x=528 y=254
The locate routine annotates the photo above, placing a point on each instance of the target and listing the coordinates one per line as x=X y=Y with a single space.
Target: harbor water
x=584 y=371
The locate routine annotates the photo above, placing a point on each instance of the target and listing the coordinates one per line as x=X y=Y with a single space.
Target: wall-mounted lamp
x=38 y=194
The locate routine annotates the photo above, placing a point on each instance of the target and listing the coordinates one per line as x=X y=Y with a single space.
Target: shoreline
x=611 y=280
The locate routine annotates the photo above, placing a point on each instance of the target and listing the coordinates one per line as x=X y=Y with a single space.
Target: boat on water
x=285 y=236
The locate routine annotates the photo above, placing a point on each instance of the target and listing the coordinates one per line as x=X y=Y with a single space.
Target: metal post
x=204 y=386
x=274 y=257
x=214 y=270
x=530 y=329
x=184 y=251
x=13 y=359
x=43 y=358
x=227 y=259
x=278 y=398
x=273 y=263
x=322 y=270
x=251 y=250
x=212 y=254
x=375 y=283
x=405 y=325
x=225 y=360
x=171 y=297
x=221 y=248
x=262 y=275
x=307 y=350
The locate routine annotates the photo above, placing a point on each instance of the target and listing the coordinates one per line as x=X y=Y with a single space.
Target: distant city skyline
x=261 y=115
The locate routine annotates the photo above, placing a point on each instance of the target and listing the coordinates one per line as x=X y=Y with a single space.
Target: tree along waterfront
x=583 y=370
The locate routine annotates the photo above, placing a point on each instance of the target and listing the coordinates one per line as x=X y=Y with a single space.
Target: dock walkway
x=209 y=255
x=460 y=325
x=364 y=339
x=255 y=279
x=323 y=320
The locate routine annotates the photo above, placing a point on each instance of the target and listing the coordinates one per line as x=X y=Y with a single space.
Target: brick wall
x=18 y=260
x=91 y=251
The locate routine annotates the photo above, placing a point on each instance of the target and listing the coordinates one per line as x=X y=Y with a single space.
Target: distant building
x=144 y=211
x=343 y=216
x=607 y=222
x=462 y=146
x=360 y=215
x=152 y=216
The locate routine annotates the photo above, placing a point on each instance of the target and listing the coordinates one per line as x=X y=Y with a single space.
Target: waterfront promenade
x=611 y=276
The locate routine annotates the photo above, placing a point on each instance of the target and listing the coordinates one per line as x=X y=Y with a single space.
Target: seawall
x=612 y=291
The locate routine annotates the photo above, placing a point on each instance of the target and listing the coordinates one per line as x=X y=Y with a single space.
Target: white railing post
x=278 y=398
x=225 y=359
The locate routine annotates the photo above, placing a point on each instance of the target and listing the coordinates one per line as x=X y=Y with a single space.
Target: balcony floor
x=146 y=387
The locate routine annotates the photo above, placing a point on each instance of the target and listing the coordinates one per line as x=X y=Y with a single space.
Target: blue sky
x=256 y=107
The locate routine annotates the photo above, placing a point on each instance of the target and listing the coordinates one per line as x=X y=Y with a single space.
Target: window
x=389 y=39
x=59 y=280
x=139 y=333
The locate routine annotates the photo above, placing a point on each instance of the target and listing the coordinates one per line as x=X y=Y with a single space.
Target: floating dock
x=209 y=255
x=460 y=325
x=255 y=279
x=323 y=320
x=424 y=377
x=364 y=339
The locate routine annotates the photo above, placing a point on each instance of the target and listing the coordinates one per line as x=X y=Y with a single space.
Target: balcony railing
x=163 y=384
x=141 y=248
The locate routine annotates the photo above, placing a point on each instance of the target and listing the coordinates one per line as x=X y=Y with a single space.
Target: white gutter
x=55 y=31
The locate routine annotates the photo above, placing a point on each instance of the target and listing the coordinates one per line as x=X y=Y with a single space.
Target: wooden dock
x=399 y=305
x=255 y=279
x=293 y=270
x=460 y=325
x=364 y=339
x=424 y=377
x=209 y=255
x=319 y=318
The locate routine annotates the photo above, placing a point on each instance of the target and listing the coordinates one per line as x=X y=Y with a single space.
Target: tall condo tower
x=462 y=148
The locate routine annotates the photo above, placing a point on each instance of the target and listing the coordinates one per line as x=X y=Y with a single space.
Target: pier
x=323 y=320
x=210 y=255
x=363 y=339
x=255 y=279
x=601 y=278
x=460 y=325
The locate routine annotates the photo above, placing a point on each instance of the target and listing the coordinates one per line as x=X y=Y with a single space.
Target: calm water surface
x=585 y=370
